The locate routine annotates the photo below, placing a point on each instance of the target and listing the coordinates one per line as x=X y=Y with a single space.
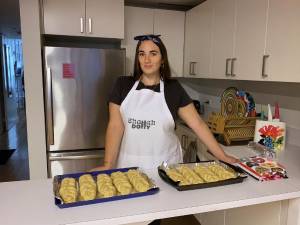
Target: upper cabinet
x=94 y=18
x=226 y=39
x=250 y=36
x=168 y=23
x=134 y=26
x=198 y=41
x=238 y=39
x=283 y=45
x=250 y=40
x=223 y=38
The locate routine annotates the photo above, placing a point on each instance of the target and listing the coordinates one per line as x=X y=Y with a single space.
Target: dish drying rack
x=233 y=128
x=232 y=122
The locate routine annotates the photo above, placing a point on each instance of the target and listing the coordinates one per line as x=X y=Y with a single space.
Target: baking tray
x=59 y=202
x=241 y=175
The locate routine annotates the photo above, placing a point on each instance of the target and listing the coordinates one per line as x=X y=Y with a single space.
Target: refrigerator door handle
x=50 y=132
x=74 y=157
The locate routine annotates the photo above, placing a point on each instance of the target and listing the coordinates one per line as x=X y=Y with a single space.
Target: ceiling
x=10 y=15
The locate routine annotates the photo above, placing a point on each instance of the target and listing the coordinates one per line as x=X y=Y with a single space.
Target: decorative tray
x=208 y=178
x=262 y=168
x=57 y=182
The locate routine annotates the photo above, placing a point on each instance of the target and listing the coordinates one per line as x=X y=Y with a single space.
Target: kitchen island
x=31 y=202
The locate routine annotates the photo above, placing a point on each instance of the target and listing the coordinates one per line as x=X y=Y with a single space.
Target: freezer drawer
x=73 y=162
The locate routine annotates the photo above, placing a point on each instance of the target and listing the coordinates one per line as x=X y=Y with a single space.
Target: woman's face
x=150 y=58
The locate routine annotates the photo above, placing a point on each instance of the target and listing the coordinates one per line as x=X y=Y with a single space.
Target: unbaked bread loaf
x=206 y=174
x=139 y=182
x=105 y=186
x=221 y=172
x=176 y=176
x=68 y=190
x=87 y=187
x=190 y=175
x=121 y=182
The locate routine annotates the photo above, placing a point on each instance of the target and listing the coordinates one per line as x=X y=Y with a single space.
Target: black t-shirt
x=175 y=95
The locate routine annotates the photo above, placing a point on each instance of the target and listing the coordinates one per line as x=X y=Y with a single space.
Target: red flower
x=271 y=131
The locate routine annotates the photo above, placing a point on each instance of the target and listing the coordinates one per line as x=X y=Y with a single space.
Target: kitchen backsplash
x=264 y=93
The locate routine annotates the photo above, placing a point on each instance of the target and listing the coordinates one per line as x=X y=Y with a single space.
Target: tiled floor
x=17 y=167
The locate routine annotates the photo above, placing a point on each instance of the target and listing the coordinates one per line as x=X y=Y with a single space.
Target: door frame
x=3 y=125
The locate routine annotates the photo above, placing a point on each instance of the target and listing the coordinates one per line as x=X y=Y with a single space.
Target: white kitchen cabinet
x=283 y=46
x=64 y=17
x=250 y=36
x=94 y=18
x=203 y=152
x=198 y=41
x=263 y=214
x=188 y=141
x=105 y=18
x=249 y=215
x=168 y=23
x=223 y=38
x=239 y=33
x=137 y=21
x=212 y=218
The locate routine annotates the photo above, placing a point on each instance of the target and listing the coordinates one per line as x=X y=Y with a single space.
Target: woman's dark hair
x=165 y=72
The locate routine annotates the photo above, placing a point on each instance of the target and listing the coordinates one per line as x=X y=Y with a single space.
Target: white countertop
x=32 y=202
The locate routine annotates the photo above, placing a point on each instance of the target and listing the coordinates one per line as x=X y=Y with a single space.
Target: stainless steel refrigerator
x=77 y=83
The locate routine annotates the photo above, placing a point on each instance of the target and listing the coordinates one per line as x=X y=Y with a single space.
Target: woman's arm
x=114 y=134
x=190 y=116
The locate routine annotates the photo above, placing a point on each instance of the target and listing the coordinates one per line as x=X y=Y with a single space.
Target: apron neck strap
x=161 y=85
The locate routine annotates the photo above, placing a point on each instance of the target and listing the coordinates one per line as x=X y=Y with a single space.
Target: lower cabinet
x=274 y=213
x=188 y=141
x=212 y=218
x=203 y=152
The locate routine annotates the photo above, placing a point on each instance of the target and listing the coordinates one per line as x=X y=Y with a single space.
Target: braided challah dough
x=206 y=174
x=68 y=190
x=121 y=182
x=87 y=187
x=139 y=182
x=105 y=186
x=190 y=175
x=221 y=172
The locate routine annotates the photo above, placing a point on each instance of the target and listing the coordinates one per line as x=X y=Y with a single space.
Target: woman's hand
x=230 y=159
x=105 y=166
x=99 y=168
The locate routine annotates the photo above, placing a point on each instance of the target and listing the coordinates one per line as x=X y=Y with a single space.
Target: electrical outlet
x=208 y=102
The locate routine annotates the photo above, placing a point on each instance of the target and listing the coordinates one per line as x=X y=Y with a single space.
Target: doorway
x=13 y=130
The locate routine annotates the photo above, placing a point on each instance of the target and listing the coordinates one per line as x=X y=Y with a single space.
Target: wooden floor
x=17 y=167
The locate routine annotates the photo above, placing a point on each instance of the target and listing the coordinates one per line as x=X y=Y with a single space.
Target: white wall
x=30 y=26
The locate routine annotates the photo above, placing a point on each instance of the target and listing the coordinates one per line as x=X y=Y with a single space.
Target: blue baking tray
x=58 y=201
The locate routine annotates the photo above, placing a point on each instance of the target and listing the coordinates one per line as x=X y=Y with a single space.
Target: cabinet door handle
x=81 y=25
x=182 y=141
x=232 y=67
x=227 y=67
x=90 y=25
x=192 y=68
x=50 y=132
x=263 y=72
x=185 y=141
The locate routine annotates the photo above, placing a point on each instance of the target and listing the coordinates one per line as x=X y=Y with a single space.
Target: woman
x=142 y=109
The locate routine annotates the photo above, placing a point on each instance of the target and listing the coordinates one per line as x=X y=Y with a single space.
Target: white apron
x=149 y=137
